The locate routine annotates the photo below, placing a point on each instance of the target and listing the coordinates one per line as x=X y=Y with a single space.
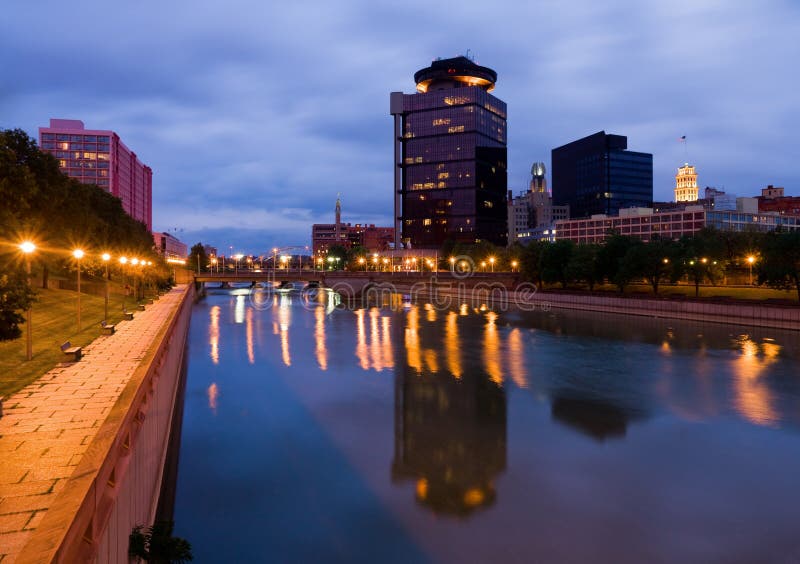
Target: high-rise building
x=450 y=157
x=95 y=156
x=686 y=184
x=531 y=213
x=598 y=175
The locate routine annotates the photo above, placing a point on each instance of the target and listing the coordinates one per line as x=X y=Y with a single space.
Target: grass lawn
x=741 y=293
x=55 y=321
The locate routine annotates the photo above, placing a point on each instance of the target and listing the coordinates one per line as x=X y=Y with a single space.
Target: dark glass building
x=450 y=157
x=598 y=175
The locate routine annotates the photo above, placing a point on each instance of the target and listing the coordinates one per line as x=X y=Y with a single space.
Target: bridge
x=351 y=283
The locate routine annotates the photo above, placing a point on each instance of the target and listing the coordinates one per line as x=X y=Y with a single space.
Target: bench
x=141 y=307
x=127 y=314
x=107 y=328
x=1 y=407
x=69 y=350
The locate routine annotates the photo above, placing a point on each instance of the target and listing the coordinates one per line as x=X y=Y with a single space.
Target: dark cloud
x=255 y=115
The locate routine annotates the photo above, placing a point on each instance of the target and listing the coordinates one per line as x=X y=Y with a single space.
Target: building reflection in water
x=450 y=425
x=213 y=333
x=491 y=349
x=592 y=416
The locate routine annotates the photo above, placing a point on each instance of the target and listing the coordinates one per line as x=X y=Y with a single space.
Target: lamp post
x=363 y=262
x=106 y=257
x=513 y=266
x=452 y=264
x=135 y=263
x=491 y=261
x=750 y=260
x=27 y=247
x=78 y=254
x=123 y=261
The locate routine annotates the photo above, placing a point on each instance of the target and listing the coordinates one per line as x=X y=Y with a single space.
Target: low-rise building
x=347 y=235
x=772 y=199
x=170 y=247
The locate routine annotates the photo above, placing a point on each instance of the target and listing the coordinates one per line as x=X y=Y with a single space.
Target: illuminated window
x=441 y=121
x=455 y=129
x=426 y=222
x=90 y=156
x=63 y=146
x=102 y=156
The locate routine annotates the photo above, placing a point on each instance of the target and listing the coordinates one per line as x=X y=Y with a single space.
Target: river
x=406 y=433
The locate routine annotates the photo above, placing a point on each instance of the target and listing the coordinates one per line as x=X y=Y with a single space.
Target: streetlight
x=750 y=260
x=385 y=262
x=78 y=254
x=123 y=261
x=27 y=247
x=238 y=258
x=514 y=265
x=106 y=257
x=452 y=264
x=483 y=265
x=491 y=261
x=135 y=262
x=362 y=261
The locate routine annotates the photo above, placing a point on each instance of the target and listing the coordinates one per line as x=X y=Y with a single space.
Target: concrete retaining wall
x=117 y=483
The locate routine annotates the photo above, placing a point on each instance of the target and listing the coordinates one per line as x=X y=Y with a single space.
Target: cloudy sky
x=254 y=114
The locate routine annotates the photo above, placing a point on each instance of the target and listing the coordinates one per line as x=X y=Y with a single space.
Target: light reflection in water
x=238 y=310
x=213 y=334
x=284 y=320
x=491 y=349
x=753 y=398
x=516 y=358
x=320 y=348
x=375 y=352
x=412 y=339
x=452 y=345
x=251 y=357
x=213 y=394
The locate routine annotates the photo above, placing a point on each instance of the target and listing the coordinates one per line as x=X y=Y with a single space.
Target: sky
x=253 y=115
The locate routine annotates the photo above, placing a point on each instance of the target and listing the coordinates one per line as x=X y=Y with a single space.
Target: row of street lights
x=29 y=247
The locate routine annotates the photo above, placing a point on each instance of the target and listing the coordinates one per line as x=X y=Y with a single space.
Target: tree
x=554 y=260
x=702 y=257
x=337 y=257
x=158 y=545
x=779 y=266
x=583 y=265
x=652 y=261
x=197 y=257
x=610 y=257
x=530 y=261
x=15 y=296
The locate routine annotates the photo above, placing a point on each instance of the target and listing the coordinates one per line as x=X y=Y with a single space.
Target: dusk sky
x=254 y=115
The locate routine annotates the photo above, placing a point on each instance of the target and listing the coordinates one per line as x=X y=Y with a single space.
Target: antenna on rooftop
x=470 y=57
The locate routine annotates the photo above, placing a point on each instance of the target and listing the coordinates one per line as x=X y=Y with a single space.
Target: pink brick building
x=95 y=156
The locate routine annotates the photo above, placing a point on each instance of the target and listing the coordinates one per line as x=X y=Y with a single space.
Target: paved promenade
x=47 y=426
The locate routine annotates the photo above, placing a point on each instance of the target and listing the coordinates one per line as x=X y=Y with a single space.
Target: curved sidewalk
x=47 y=426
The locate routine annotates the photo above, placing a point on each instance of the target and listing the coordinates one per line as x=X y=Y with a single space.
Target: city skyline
x=252 y=125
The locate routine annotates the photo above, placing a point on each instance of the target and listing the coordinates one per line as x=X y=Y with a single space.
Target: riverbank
x=88 y=434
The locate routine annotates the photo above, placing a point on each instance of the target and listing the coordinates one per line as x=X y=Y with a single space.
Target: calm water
x=316 y=434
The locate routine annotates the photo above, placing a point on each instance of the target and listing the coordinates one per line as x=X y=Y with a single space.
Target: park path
x=47 y=426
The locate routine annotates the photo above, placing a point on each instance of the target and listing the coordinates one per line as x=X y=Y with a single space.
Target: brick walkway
x=47 y=426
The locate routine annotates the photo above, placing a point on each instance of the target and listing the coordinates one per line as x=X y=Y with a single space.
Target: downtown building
x=531 y=213
x=95 y=156
x=450 y=157
x=326 y=235
x=598 y=175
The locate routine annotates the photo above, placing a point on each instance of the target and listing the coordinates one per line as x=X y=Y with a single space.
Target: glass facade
x=597 y=175
x=453 y=162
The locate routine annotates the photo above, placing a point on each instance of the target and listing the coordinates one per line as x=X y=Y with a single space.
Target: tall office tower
x=597 y=175
x=686 y=184
x=450 y=157
x=94 y=156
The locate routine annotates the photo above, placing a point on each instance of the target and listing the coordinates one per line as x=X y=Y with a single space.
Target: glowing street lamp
x=362 y=261
x=27 y=248
x=491 y=261
x=483 y=265
x=750 y=260
x=452 y=264
x=78 y=255
x=123 y=261
x=106 y=257
x=514 y=265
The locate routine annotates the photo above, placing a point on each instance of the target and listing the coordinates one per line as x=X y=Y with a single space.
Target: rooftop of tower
x=454 y=73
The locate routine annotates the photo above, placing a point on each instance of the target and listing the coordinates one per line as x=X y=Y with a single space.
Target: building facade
x=170 y=247
x=686 y=184
x=95 y=156
x=325 y=235
x=642 y=223
x=772 y=199
x=598 y=175
x=531 y=213
x=450 y=157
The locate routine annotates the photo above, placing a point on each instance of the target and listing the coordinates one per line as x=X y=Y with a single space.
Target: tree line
x=57 y=213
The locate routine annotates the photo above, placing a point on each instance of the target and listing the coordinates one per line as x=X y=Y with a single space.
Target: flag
x=683 y=138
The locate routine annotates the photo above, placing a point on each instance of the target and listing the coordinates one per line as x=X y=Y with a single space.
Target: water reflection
x=284 y=320
x=213 y=395
x=753 y=398
x=251 y=355
x=213 y=333
x=320 y=348
x=450 y=438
